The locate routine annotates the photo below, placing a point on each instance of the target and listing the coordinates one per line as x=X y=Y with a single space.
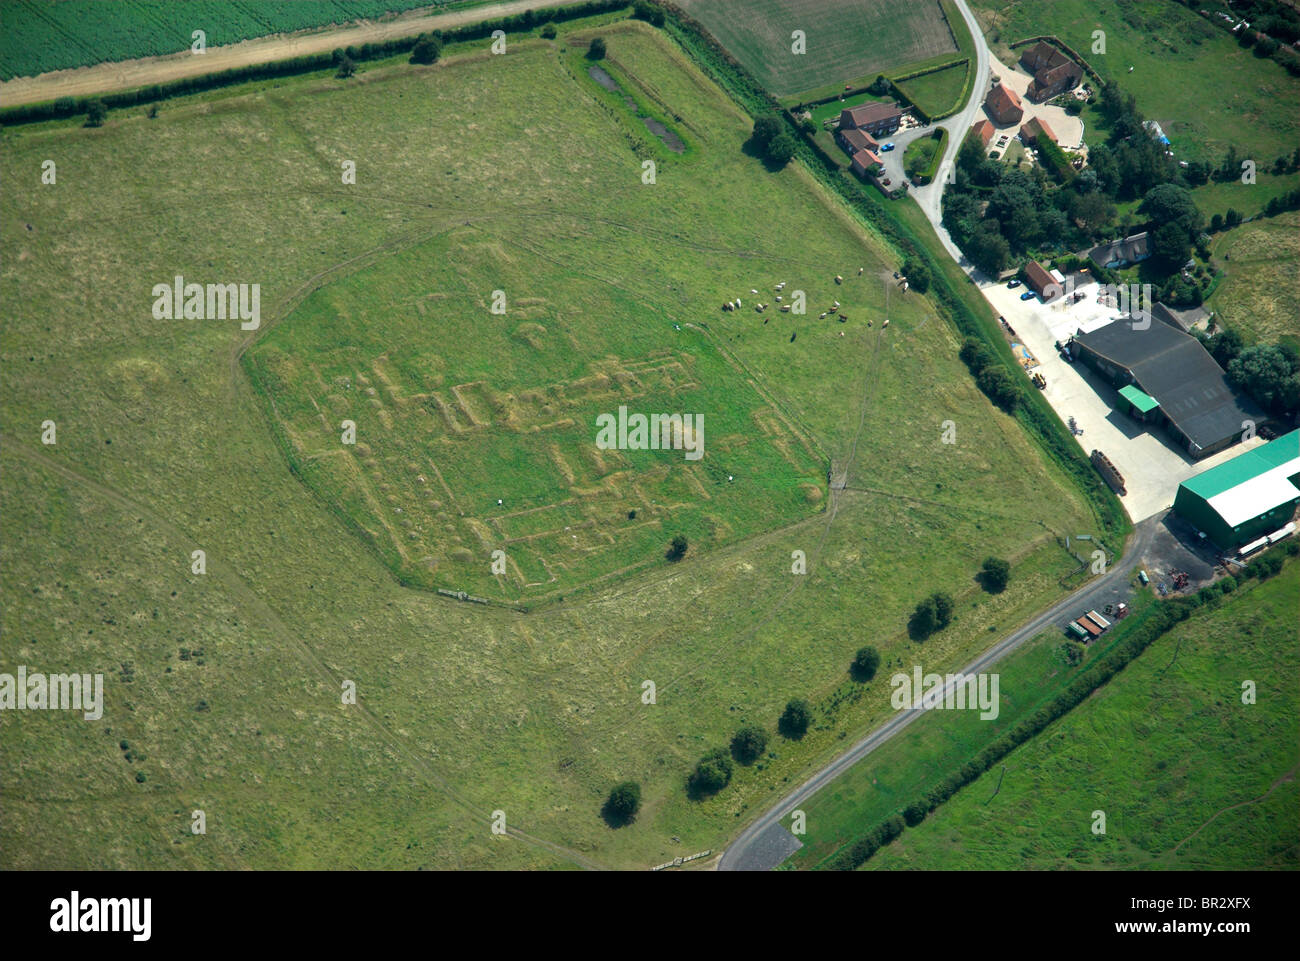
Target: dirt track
x=104 y=77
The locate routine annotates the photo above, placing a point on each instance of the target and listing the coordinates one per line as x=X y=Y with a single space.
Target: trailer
x=1092 y=629
x=1078 y=631
x=1098 y=620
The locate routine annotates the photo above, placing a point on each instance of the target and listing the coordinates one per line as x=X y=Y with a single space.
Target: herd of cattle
x=760 y=307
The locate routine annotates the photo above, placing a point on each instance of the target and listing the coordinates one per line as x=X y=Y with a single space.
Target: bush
x=596 y=49
x=917 y=273
x=766 y=130
x=677 y=548
x=781 y=149
x=96 y=113
x=549 y=31
x=426 y=50
x=648 y=12
x=915 y=813
x=346 y=68
x=622 y=804
x=748 y=744
x=994 y=574
x=795 y=719
x=865 y=664
x=932 y=614
x=1266 y=566
x=712 y=773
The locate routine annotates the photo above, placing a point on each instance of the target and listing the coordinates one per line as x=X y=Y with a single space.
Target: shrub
x=748 y=744
x=781 y=150
x=915 y=813
x=712 y=773
x=426 y=50
x=648 y=12
x=917 y=273
x=865 y=663
x=548 y=31
x=994 y=574
x=622 y=804
x=96 y=113
x=677 y=548
x=596 y=49
x=766 y=130
x=795 y=719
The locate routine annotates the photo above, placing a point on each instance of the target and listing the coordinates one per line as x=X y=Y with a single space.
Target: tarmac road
x=765 y=843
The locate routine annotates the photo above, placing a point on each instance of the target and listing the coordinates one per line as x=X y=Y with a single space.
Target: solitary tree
x=677 y=548
x=623 y=803
x=795 y=720
x=749 y=744
x=994 y=574
x=346 y=67
x=596 y=50
x=865 y=663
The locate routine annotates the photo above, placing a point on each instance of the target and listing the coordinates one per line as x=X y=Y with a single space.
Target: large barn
x=1184 y=388
x=1251 y=496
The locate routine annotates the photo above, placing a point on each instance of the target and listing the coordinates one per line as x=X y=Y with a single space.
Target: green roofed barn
x=1251 y=496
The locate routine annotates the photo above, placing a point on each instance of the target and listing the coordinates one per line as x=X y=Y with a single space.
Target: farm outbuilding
x=1251 y=496
x=1178 y=384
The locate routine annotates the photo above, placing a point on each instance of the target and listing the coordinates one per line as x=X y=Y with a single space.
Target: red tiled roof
x=984 y=130
x=1032 y=127
x=868 y=113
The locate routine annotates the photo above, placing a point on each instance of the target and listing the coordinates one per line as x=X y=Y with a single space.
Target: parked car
x=887 y=147
x=1012 y=284
x=1027 y=295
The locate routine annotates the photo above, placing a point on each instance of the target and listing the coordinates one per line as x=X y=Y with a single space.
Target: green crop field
x=1189 y=776
x=1259 y=296
x=37 y=36
x=1188 y=74
x=224 y=689
x=846 y=39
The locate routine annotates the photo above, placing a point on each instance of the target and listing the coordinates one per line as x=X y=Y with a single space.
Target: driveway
x=930 y=196
x=1068 y=130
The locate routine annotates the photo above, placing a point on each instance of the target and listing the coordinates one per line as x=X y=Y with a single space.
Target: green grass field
x=1235 y=98
x=937 y=92
x=165 y=445
x=1189 y=776
x=37 y=36
x=1259 y=296
x=846 y=39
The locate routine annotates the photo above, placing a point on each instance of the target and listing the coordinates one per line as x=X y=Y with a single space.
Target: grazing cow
x=823 y=315
x=793 y=336
x=785 y=307
x=778 y=298
x=839 y=279
x=843 y=318
x=886 y=323
x=860 y=269
x=837 y=305
x=752 y=290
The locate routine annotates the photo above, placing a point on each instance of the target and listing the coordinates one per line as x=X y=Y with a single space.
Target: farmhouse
x=871 y=118
x=1003 y=105
x=854 y=140
x=983 y=130
x=1250 y=497
x=866 y=162
x=1176 y=383
x=1034 y=127
x=1053 y=71
x=1121 y=253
